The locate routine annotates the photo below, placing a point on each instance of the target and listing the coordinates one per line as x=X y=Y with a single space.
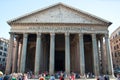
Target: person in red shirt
x=72 y=77
x=61 y=78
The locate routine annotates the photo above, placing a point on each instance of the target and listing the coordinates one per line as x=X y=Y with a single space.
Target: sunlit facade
x=115 y=47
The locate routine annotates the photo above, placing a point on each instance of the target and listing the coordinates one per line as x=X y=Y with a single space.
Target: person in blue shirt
x=52 y=77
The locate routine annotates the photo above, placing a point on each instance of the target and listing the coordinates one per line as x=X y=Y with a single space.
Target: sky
x=106 y=9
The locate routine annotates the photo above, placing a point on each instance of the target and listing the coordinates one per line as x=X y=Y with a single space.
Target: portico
x=58 y=38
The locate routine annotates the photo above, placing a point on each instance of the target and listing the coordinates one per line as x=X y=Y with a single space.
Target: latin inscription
x=61 y=29
x=56 y=29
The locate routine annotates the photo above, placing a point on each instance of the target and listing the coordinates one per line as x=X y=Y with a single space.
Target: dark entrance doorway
x=59 y=60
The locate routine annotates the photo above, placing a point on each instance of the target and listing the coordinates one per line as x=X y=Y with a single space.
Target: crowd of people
x=46 y=76
x=42 y=76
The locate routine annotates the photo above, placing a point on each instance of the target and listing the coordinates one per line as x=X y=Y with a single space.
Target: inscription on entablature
x=61 y=28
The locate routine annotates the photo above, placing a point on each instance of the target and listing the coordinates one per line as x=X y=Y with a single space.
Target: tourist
x=72 y=77
x=118 y=77
x=25 y=77
x=47 y=76
x=1 y=76
x=41 y=77
x=101 y=77
x=14 y=76
x=52 y=77
x=7 y=77
x=61 y=77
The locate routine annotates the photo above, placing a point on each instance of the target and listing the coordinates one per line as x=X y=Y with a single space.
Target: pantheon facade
x=59 y=38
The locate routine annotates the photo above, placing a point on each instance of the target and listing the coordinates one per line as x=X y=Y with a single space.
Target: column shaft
x=82 y=61
x=102 y=55
x=108 y=55
x=19 y=55
x=52 y=53
x=38 y=54
x=95 y=55
x=23 y=56
x=10 y=54
x=15 y=61
x=67 y=53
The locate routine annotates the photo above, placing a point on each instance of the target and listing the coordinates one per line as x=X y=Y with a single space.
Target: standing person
x=61 y=77
x=25 y=77
x=72 y=77
x=52 y=77
x=41 y=77
x=1 y=76
x=118 y=77
x=7 y=77
x=13 y=77
x=47 y=77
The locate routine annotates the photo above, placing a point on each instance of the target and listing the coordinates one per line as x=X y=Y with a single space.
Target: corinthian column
x=10 y=54
x=52 y=53
x=108 y=55
x=38 y=54
x=102 y=55
x=82 y=61
x=67 y=53
x=23 y=56
x=15 y=58
x=95 y=55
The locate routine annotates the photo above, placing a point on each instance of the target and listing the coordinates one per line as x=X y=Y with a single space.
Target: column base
x=111 y=76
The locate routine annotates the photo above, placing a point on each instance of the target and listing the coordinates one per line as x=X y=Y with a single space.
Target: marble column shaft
x=52 y=53
x=108 y=55
x=38 y=54
x=82 y=61
x=67 y=53
x=23 y=56
x=95 y=55
x=10 y=54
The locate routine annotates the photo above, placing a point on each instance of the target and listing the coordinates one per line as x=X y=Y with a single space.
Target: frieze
x=60 y=28
x=57 y=29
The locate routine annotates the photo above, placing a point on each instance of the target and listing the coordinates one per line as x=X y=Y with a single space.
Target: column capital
x=16 y=37
x=93 y=35
x=52 y=34
x=106 y=35
x=67 y=34
x=38 y=34
x=80 y=34
x=11 y=33
x=25 y=35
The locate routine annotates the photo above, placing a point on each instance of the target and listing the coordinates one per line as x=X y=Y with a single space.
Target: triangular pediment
x=59 y=13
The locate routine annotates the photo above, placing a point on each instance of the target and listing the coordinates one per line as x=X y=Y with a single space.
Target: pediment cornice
x=62 y=24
